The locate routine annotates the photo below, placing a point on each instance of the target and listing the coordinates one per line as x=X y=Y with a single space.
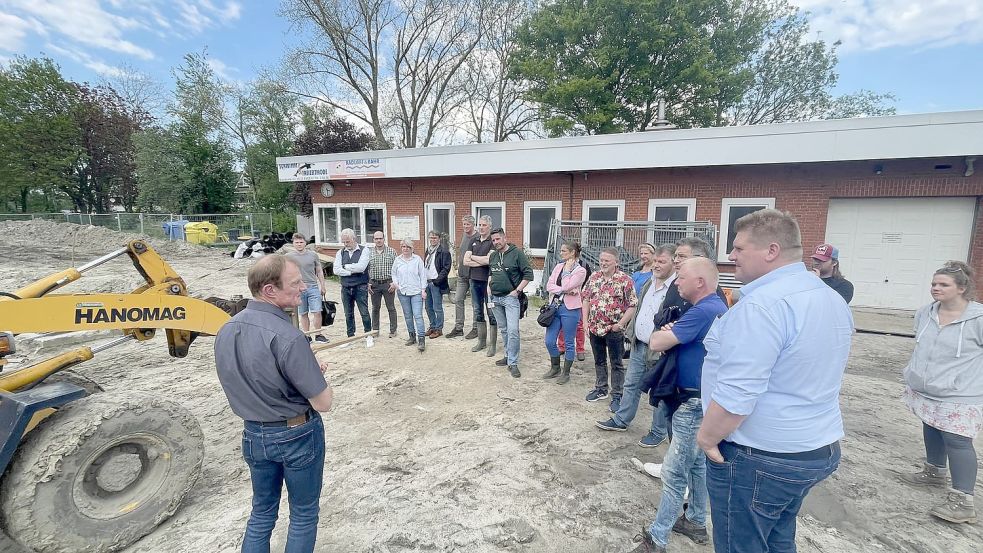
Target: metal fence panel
x=625 y=236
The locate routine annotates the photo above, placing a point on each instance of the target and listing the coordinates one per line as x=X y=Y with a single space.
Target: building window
x=440 y=217
x=672 y=210
x=732 y=209
x=495 y=210
x=537 y=217
x=600 y=211
x=364 y=219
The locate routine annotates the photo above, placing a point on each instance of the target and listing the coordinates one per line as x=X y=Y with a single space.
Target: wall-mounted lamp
x=878 y=169
x=969 y=166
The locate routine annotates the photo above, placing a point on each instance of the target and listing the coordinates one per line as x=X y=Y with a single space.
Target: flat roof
x=948 y=134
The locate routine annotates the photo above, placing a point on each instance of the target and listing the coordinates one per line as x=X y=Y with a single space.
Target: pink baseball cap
x=825 y=252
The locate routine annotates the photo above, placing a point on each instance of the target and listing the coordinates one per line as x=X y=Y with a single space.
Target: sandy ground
x=444 y=451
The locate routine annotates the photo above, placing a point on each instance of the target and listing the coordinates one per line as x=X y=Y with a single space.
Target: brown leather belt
x=290 y=423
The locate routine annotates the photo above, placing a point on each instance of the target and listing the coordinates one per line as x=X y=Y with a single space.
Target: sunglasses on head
x=950 y=269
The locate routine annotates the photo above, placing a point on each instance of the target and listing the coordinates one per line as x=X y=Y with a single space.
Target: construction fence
x=232 y=227
x=625 y=236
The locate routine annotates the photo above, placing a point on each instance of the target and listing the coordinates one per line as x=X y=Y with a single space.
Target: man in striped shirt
x=381 y=282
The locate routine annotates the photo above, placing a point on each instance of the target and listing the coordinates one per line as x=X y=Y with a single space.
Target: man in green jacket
x=510 y=273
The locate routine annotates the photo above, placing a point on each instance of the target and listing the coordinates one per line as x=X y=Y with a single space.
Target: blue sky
x=926 y=52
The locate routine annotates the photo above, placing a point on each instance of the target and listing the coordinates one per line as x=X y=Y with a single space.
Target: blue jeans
x=507 y=316
x=278 y=455
x=566 y=319
x=351 y=295
x=632 y=392
x=755 y=498
x=310 y=300
x=412 y=313
x=479 y=297
x=684 y=466
x=435 y=307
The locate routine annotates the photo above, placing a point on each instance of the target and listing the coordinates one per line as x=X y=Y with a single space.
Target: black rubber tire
x=100 y=474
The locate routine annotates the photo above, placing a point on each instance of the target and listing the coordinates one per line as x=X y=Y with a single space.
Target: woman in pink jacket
x=564 y=283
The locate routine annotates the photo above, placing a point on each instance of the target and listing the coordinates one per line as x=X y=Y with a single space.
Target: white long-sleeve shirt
x=409 y=275
x=359 y=266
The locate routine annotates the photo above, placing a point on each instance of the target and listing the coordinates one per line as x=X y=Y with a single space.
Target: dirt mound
x=88 y=241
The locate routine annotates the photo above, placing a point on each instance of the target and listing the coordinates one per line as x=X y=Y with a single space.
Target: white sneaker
x=369 y=342
x=652 y=469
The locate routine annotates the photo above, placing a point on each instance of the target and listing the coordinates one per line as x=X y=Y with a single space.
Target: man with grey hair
x=770 y=388
x=464 y=282
x=352 y=265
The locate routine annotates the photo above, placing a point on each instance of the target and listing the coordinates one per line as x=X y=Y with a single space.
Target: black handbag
x=328 y=310
x=547 y=313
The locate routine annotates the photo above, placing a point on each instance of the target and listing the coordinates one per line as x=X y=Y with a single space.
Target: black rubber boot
x=482 y=334
x=554 y=368
x=492 y=340
x=565 y=374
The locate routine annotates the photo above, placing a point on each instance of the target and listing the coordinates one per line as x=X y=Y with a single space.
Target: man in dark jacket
x=438 y=264
x=826 y=265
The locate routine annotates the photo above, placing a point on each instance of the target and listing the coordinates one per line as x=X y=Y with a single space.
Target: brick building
x=897 y=195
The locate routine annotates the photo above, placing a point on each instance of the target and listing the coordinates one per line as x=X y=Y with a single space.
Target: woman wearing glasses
x=945 y=388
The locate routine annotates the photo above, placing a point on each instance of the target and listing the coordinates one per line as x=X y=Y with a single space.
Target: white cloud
x=87 y=60
x=875 y=24
x=112 y=25
x=14 y=31
x=221 y=69
x=85 y=22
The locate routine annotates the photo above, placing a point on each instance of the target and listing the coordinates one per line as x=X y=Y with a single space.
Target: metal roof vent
x=661 y=123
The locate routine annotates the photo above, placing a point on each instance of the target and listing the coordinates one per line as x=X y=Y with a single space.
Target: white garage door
x=889 y=247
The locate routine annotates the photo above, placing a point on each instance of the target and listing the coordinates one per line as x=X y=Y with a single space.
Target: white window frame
x=428 y=220
x=688 y=203
x=476 y=205
x=620 y=204
x=527 y=219
x=725 y=205
x=319 y=240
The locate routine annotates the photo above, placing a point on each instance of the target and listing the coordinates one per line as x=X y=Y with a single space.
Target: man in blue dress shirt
x=771 y=384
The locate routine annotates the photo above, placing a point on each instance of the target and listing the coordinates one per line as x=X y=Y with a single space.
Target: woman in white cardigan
x=410 y=277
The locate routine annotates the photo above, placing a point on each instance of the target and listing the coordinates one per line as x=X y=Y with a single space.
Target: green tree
x=40 y=139
x=198 y=114
x=161 y=173
x=601 y=66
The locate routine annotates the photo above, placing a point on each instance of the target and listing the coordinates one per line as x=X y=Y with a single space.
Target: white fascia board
x=892 y=137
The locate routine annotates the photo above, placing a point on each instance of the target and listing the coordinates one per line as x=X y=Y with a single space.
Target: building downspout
x=570 y=198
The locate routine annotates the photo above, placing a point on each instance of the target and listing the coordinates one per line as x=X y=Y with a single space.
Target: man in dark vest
x=352 y=265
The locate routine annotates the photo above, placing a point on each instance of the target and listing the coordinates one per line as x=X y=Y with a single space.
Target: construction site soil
x=444 y=451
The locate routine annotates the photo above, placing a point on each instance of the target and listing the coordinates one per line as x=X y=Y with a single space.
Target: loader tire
x=100 y=473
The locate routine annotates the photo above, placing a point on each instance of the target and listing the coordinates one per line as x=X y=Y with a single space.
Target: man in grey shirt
x=276 y=385
x=464 y=282
x=309 y=310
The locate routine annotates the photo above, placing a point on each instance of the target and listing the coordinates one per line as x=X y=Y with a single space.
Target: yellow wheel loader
x=85 y=470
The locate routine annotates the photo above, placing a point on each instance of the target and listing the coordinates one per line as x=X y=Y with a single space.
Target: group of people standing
x=748 y=396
